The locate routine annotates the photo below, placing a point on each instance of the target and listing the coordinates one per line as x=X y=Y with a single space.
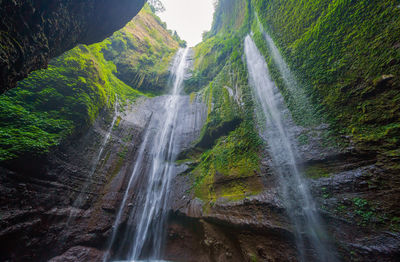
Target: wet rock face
x=359 y=200
x=33 y=31
x=253 y=229
x=356 y=195
x=41 y=220
x=40 y=217
x=229 y=235
x=79 y=254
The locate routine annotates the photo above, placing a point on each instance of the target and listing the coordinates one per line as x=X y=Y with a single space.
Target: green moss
x=222 y=43
x=50 y=104
x=364 y=213
x=192 y=97
x=226 y=112
x=346 y=56
x=184 y=161
x=118 y=121
x=317 y=171
x=142 y=52
x=63 y=100
x=128 y=138
x=253 y=258
x=233 y=158
x=395 y=224
x=228 y=168
x=325 y=194
x=116 y=167
x=123 y=152
x=228 y=17
x=303 y=139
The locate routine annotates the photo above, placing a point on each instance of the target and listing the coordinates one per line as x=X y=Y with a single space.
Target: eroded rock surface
x=79 y=254
x=40 y=215
x=356 y=196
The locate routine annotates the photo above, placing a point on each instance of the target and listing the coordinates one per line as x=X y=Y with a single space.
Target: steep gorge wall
x=52 y=130
x=41 y=217
x=344 y=55
x=226 y=205
x=32 y=32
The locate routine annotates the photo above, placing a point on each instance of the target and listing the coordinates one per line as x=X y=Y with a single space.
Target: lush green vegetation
x=142 y=51
x=232 y=144
x=224 y=107
x=302 y=111
x=222 y=42
x=50 y=104
x=347 y=56
x=364 y=214
x=63 y=100
x=233 y=158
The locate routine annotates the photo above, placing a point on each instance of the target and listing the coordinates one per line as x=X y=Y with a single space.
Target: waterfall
x=152 y=173
x=298 y=97
x=295 y=193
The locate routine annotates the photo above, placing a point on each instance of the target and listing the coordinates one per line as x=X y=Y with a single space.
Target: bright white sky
x=188 y=17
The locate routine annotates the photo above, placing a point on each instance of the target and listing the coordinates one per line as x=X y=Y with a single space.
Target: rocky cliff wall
x=226 y=204
x=40 y=216
x=351 y=164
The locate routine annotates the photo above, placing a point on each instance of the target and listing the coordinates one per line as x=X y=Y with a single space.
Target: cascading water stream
x=295 y=194
x=164 y=154
x=297 y=95
x=153 y=169
x=278 y=59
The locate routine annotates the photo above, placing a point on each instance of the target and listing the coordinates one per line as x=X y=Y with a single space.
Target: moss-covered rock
x=142 y=52
x=346 y=56
x=63 y=100
x=228 y=168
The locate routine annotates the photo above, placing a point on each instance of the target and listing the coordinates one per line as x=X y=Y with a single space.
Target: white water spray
x=294 y=189
x=155 y=165
x=296 y=93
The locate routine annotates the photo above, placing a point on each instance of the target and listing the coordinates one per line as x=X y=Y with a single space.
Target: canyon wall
x=341 y=106
x=344 y=117
x=69 y=134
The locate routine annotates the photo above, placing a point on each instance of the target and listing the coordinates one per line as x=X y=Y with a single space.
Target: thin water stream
x=81 y=199
x=295 y=193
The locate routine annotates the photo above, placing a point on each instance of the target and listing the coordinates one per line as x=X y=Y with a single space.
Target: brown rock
x=79 y=254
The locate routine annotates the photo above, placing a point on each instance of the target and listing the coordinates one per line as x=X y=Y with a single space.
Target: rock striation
x=40 y=217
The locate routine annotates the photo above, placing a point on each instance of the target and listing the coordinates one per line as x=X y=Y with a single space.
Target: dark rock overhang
x=34 y=31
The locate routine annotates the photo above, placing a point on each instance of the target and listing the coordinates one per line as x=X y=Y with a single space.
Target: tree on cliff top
x=156 y=6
